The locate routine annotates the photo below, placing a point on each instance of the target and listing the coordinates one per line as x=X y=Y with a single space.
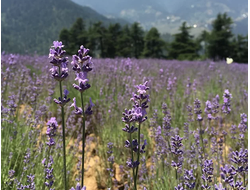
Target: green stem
x=138 y=154
x=83 y=139
x=132 y=156
x=47 y=160
x=201 y=139
x=176 y=175
x=244 y=180
x=225 y=149
x=63 y=127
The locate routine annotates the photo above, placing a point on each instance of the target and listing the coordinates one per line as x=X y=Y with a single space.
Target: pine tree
x=113 y=34
x=78 y=35
x=137 y=35
x=240 y=49
x=153 y=46
x=202 y=43
x=124 y=43
x=96 y=37
x=219 y=47
x=64 y=36
x=183 y=47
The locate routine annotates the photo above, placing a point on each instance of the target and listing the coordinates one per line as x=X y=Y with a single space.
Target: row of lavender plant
x=166 y=84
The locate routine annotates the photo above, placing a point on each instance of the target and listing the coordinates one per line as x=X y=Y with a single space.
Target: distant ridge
x=168 y=15
x=30 y=26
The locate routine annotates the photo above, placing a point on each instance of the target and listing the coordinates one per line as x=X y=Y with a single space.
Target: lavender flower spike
x=88 y=110
x=57 y=53
x=51 y=130
x=142 y=88
x=78 y=111
x=82 y=80
x=219 y=187
x=78 y=61
x=65 y=99
x=226 y=104
x=78 y=187
x=82 y=65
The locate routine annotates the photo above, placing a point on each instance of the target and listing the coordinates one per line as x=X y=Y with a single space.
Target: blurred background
x=129 y=28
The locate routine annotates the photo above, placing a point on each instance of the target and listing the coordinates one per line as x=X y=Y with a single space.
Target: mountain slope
x=29 y=26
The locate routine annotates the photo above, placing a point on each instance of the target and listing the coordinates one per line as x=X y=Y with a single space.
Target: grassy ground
x=27 y=104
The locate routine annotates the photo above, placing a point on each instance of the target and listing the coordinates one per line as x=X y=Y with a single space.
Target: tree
x=64 y=36
x=202 y=43
x=78 y=35
x=113 y=34
x=153 y=46
x=137 y=35
x=240 y=49
x=183 y=47
x=124 y=43
x=219 y=42
x=96 y=37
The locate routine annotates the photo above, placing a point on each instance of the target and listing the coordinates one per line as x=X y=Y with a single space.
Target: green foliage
x=240 y=49
x=137 y=35
x=27 y=29
x=97 y=37
x=125 y=43
x=75 y=37
x=220 y=46
x=113 y=34
x=202 y=43
x=183 y=47
x=29 y=26
x=153 y=44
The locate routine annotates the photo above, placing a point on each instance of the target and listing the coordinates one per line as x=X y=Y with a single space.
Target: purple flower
x=57 y=44
x=226 y=102
x=141 y=89
x=176 y=165
x=143 y=146
x=131 y=164
x=243 y=123
x=27 y=156
x=49 y=177
x=209 y=110
x=31 y=182
x=227 y=174
x=179 y=187
x=138 y=114
x=207 y=173
x=57 y=53
x=51 y=130
x=219 y=187
x=238 y=185
x=239 y=157
x=197 y=110
x=89 y=110
x=129 y=129
x=65 y=99
x=110 y=146
x=176 y=144
x=78 y=187
x=127 y=116
x=78 y=111
x=78 y=62
x=55 y=73
x=82 y=80
x=189 y=179
x=11 y=173
x=110 y=159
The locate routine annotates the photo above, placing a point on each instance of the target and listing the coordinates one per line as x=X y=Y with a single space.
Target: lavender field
x=146 y=123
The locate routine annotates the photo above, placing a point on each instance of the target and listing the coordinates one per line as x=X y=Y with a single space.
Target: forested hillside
x=30 y=26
